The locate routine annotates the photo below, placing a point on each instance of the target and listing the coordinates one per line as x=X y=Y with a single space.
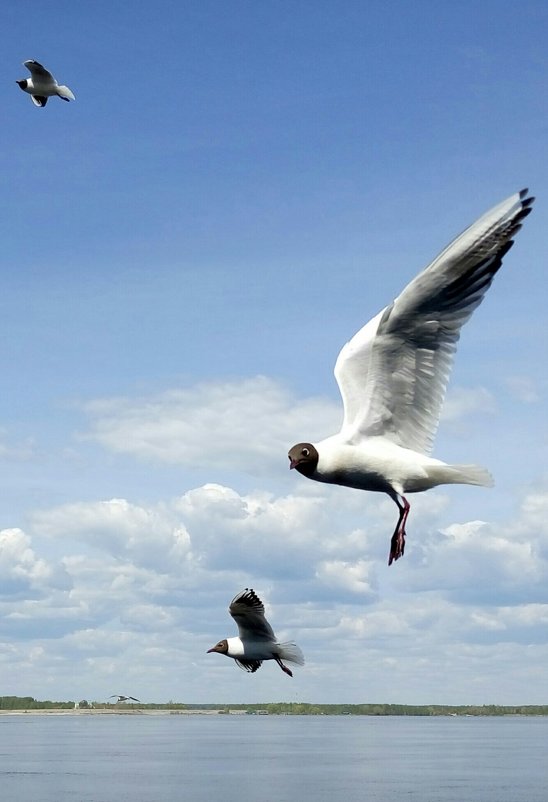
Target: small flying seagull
x=393 y=374
x=123 y=698
x=256 y=641
x=42 y=85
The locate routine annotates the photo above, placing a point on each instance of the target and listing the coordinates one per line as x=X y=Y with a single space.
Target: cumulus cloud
x=241 y=425
x=214 y=530
x=477 y=561
x=344 y=577
x=21 y=570
x=119 y=528
x=147 y=589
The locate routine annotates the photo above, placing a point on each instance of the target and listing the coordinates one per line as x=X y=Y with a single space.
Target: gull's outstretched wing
x=38 y=100
x=38 y=71
x=393 y=373
x=248 y=611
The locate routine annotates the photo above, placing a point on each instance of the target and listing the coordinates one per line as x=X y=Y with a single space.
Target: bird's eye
x=305 y=452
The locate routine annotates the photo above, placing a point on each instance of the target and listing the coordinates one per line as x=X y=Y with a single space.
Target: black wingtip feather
x=249 y=597
x=527 y=202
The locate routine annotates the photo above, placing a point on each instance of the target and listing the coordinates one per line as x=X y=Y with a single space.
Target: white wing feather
x=393 y=373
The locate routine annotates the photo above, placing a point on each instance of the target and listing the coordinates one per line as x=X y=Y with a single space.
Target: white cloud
x=116 y=527
x=480 y=561
x=20 y=568
x=147 y=589
x=242 y=425
x=524 y=389
x=358 y=577
x=245 y=425
x=462 y=402
x=515 y=622
x=534 y=519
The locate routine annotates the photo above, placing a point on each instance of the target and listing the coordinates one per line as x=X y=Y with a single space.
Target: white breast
x=235 y=647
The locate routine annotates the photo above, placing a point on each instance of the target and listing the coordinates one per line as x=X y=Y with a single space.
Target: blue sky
x=236 y=190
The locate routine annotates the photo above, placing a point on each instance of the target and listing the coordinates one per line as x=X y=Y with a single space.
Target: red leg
x=284 y=668
x=397 y=544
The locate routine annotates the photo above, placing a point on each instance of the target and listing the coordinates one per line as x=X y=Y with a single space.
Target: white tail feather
x=64 y=92
x=461 y=475
x=290 y=651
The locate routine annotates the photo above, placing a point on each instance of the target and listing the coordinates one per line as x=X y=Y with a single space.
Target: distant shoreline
x=135 y=710
x=102 y=711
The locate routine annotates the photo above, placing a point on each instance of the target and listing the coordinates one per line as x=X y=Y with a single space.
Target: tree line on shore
x=290 y=708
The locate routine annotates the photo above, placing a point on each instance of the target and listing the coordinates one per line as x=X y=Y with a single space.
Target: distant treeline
x=305 y=709
x=28 y=703
x=291 y=708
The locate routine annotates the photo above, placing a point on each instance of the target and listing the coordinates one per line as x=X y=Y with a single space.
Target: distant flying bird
x=42 y=85
x=123 y=698
x=393 y=373
x=256 y=641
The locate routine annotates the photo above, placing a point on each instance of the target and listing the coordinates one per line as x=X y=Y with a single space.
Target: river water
x=239 y=758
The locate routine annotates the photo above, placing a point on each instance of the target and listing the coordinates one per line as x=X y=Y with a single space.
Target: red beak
x=293 y=464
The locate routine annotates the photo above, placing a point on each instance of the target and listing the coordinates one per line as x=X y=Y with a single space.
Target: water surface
x=145 y=758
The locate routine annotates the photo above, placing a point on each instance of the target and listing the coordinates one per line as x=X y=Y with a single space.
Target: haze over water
x=150 y=758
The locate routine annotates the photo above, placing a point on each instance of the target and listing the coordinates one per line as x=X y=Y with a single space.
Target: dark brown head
x=304 y=458
x=22 y=83
x=221 y=647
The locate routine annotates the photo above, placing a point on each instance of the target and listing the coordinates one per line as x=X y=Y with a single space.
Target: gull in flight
x=123 y=698
x=393 y=373
x=42 y=85
x=256 y=641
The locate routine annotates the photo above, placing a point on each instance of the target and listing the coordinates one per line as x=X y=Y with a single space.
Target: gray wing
x=38 y=71
x=393 y=373
x=248 y=611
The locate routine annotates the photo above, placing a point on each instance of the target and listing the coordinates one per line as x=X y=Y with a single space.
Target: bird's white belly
x=376 y=465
